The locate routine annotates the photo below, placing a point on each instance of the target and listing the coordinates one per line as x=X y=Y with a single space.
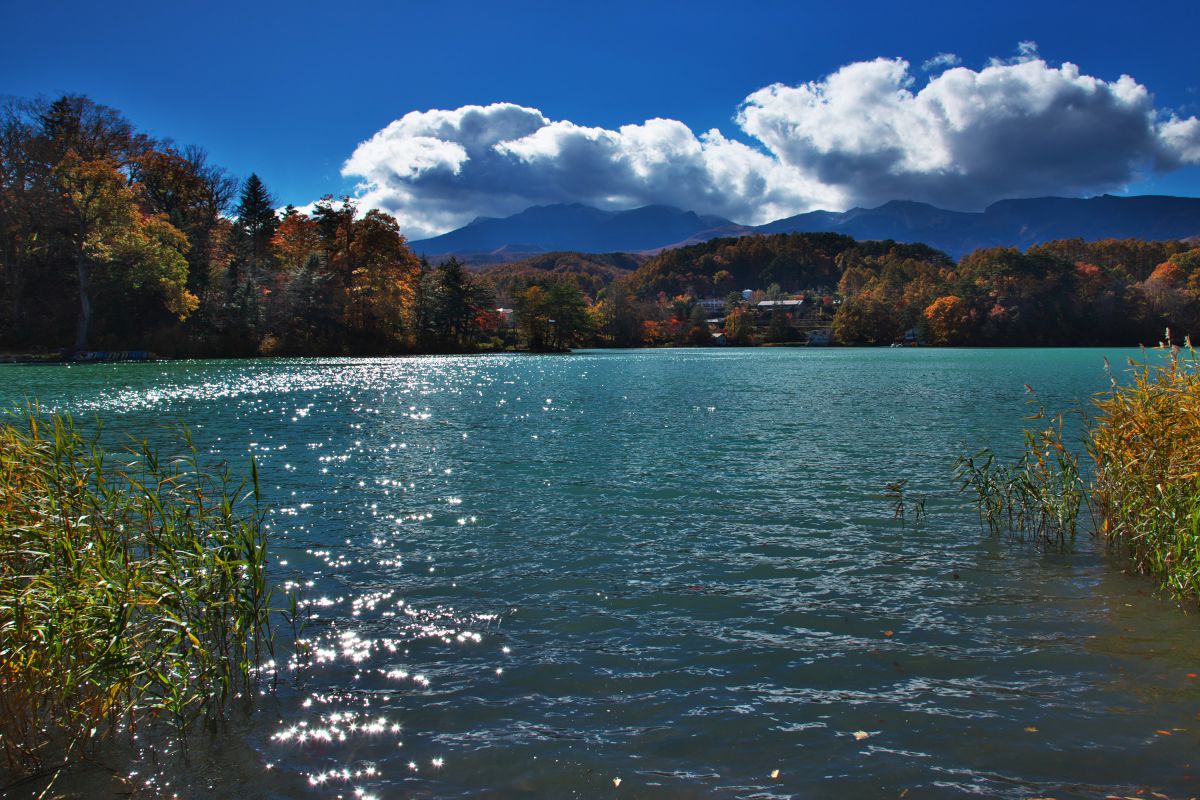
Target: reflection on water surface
x=539 y=576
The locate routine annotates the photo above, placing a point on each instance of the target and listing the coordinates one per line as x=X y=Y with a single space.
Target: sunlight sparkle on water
x=710 y=525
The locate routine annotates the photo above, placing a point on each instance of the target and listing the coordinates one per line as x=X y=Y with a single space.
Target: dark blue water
x=670 y=573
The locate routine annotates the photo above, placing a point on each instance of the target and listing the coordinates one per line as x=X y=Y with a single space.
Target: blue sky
x=291 y=90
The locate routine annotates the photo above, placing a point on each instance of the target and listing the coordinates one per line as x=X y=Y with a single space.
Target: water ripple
x=672 y=574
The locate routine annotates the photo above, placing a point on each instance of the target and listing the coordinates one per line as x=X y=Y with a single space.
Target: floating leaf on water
x=888 y=634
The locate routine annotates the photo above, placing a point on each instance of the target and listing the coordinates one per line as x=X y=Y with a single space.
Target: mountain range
x=574 y=227
x=1015 y=223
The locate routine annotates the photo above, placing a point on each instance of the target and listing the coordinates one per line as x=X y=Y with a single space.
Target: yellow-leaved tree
x=112 y=233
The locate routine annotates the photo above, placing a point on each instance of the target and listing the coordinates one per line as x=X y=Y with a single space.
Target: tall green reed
x=132 y=589
x=1143 y=441
x=1038 y=498
x=1146 y=449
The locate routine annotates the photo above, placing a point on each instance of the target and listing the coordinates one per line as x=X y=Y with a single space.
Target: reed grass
x=1145 y=445
x=132 y=590
x=896 y=493
x=1142 y=437
x=1038 y=498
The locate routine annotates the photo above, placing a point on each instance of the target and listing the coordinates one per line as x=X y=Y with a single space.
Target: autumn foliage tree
x=553 y=317
x=110 y=238
x=949 y=319
x=123 y=241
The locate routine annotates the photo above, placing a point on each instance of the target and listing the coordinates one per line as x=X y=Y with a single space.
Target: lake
x=668 y=573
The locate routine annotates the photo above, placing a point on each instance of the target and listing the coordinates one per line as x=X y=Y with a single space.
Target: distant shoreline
x=16 y=359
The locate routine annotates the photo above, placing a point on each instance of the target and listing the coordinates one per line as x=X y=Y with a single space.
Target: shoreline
x=32 y=359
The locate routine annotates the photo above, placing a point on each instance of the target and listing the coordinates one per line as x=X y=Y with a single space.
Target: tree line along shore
x=115 y=240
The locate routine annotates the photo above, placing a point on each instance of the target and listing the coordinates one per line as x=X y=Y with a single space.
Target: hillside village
x=830 y=289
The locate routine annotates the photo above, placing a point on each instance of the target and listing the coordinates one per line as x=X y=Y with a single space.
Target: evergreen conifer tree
x=256 y=209
x=256 y=219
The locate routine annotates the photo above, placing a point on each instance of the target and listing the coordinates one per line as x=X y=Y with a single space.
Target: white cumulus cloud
x=867 y=133
x=967 y=138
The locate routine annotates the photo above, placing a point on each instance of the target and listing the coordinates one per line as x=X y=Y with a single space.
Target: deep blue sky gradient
x=289 y=89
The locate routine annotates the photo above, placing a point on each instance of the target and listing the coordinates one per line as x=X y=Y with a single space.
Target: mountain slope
x=900 y=220
x=1015 y=223
x=590 y=272
x=571 y=227
x=1009 y=223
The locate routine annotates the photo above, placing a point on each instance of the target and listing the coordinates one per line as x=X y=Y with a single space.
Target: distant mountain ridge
x=1008 y=223
x=1014 y=223
x=573 y=227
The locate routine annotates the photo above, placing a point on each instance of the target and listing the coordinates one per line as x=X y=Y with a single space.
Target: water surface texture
x=671 y=573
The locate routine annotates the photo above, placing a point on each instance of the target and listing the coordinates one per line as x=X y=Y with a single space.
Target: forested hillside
x=113 y=239
x=1067 y=292
x=590 y=272
x=110 y=238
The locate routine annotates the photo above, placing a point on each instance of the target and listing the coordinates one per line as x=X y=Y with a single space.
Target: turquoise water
x=538 y=575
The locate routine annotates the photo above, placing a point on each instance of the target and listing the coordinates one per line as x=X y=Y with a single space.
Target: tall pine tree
x=256 y=219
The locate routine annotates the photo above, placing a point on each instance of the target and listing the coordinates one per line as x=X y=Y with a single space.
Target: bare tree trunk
x=16 y=285
x=17 y=310
x=85 y=303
